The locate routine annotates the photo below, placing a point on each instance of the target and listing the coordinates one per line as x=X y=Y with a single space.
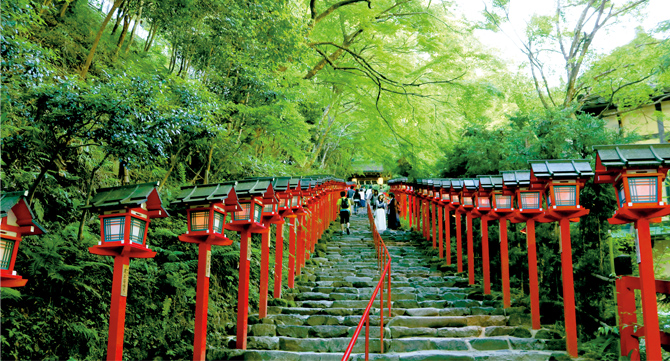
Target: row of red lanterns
x=247 y=206
x=547 y=192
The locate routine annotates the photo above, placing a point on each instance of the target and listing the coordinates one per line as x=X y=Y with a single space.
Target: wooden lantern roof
x=471 y=184
x=294 y=183
x=253 y=187
x=611 y=159
x=445 y=183
x=129 y=196
x=306 y=183
x=16 y=203
x=210 y=193
x=516 y=178
x=560 y=169
x=490 y=182
x=456 y=185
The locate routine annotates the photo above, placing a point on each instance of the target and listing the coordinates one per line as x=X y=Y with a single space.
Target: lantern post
x=502 y=202
x=124 y=221
x=470 y=187
x=410 y=204
x=562 y=181
x=427 y=197
x=18 y=221
x=435 y=201
x=529 y=198
x=420 y=224
x=455 y=205
x=206 y=209
x=307 y=190
x=246 y=221
x=445 y=201
x=482 y=209
x=439 y=215
x=285 y=195
x=637 y=173
x=269 y=215
x=298 y=212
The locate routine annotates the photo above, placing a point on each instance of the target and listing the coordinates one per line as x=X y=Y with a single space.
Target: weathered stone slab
x=262 y=343
x=468 y=331
x=318 y=320
x=293 y=331
x=439 y=321
x=400 y=332
x=487 y=321
x=485 y=344
x=329 y=331
x=262 y=330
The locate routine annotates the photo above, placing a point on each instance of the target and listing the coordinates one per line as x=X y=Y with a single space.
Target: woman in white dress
x=380 y=214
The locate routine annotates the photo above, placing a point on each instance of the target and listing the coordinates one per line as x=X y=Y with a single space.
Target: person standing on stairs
x=361 y=195
x=357 y=201
x=344 y=204
x=380 y=214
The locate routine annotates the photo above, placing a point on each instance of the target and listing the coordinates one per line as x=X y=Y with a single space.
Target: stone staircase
x=434 y=316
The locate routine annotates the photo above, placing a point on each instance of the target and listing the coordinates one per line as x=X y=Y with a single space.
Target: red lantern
x=126 y=212
x=455 y=205
x=207 y=207
x=470 y=188
x=563 y=179
x=250 y=193
x=482 y=209
x=530 y=208
x=637 y=173
x=17 y=221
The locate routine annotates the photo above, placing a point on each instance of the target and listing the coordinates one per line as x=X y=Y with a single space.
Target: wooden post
x=433 y=224
x=471 y=249
x=648 y=290
x=569 y=292
x=486 y=266
x=117 y=310
x=279 y=257
x=202 y=301
x=291 y=252
x=265 y=270
x=504 y=263
x=459 y=244
x=447 y=236
x=243 y=290
x=532 y=275
x=440 y=219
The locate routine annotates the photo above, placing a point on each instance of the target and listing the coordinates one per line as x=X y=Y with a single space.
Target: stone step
x=430 y=355
x=336 y=340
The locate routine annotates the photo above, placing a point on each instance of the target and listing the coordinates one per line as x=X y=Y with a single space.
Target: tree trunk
x=119 y=16
x=45 y=6
x=173 y=161
x=89 y=186
x=89 y=58
x=122 y=37
x=138 y=20
x=150 y=39
x=63 y=9
x=38 y=180
x=209 y=163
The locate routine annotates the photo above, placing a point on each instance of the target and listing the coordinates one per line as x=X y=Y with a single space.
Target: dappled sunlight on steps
x=434 y=316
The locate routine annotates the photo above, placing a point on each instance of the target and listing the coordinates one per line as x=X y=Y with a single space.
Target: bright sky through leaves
x=522 y=10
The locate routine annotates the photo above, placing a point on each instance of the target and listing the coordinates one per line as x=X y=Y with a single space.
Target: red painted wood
x=504 y=263
x=291 y=252
x=201 y=304
x=532 y=274
x=447 y=236
x=459 y=244
x=486 y=266
x=279 y=257
x=243 y=291
x=265 y=270
x=569 y=290
x=432 y=224
x=117 y=311
x=471 y=249
x=648 y=290
x=440 y=219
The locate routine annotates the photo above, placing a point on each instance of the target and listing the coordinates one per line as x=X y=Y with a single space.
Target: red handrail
x=384 y=263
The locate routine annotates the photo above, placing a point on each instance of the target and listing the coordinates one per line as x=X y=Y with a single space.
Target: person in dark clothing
x=393 y=216
x=344 y=205
x=357 y=201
